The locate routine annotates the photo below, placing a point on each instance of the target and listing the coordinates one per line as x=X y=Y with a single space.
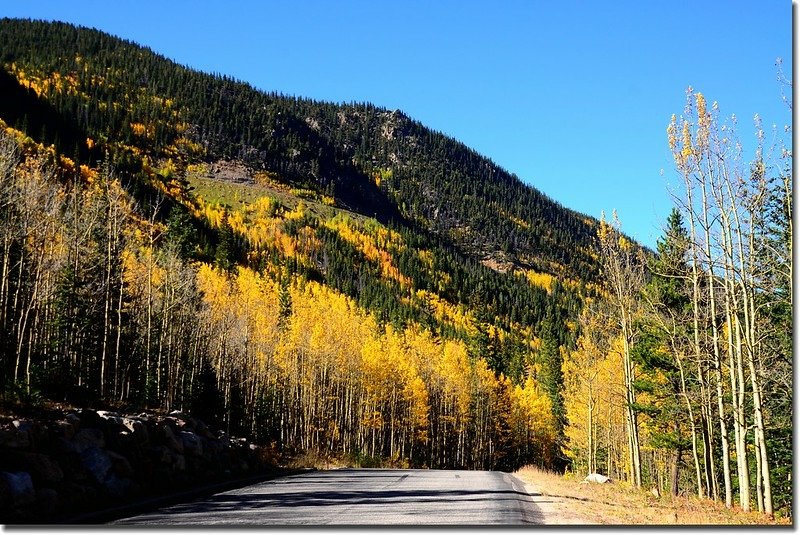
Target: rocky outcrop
x=597 y=478
x=82 y=460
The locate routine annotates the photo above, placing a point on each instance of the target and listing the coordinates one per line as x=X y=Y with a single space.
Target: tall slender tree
x=623 y=272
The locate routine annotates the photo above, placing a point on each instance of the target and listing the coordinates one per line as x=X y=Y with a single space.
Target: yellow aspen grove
x=581 y=384
x=101 y=288
x=40 y=257
x=487 y=411
x=597 y=433
x=453 y=372
x=118 y=210
x=257 y=299
x=703 y=135
x=532 y=420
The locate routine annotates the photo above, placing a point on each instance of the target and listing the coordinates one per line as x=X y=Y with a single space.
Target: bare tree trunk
x=743 y=236
x=118 y=343
x=590 y=414
x=630 y=400
x=740 y=308
x=110 y=235
x=787 y=188
x=675 y=468
x=712 y=299
x=761 y=446
x=693 y=427
x=755 y=205
x=696 y=310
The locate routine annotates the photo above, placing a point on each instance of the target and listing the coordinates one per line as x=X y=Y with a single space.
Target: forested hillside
x=174 y=187
x=374 y=161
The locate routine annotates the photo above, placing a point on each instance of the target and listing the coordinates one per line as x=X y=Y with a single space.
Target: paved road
x=361 y=496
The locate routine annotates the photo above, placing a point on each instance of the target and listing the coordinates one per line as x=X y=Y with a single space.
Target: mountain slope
x=377 y=162
x=278 y=254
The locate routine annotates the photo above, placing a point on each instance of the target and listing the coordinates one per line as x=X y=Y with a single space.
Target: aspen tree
x=39 y=207
x=623 y=270
x=735 y=252
x=689 y=159
x=9 y=159
x=116 y=217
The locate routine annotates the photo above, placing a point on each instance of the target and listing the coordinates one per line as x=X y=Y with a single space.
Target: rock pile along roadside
x=53 y=469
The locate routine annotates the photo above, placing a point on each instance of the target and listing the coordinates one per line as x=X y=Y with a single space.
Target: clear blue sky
x=573 y=97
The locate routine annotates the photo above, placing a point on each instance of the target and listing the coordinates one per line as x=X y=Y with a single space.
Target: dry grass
x=620 y=504
x=315 y=459
x=323 y=460
x=235 y=195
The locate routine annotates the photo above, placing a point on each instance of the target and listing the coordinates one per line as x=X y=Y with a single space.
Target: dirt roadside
x=556 y=510
x=568 y=501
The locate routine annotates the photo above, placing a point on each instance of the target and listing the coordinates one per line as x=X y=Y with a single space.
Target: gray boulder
x=6 y=499
x=120 y=464
x=63 y=429
x=90 y=418
x=192 y=444
x=20 y=486
x=179 y=463
x=74 y=420
x=75 y=494
x=63 y=446
x=161 y=455
x=25 y=426
x=202 y=429
x=123 y=442
x=170 y=440
x=596 y=478
x=47 y=501
x=42 y=468
x=88 y=438
x=138 y=429
x=112 y=422
x=118 y=487
x=109 y=416
x=16 y=436
x=97 y=462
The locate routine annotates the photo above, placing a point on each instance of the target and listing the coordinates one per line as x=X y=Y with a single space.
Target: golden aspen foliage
x=594 y=398
x=532 y=414
x=456 y=315
x=542 y=280
x=452 y=369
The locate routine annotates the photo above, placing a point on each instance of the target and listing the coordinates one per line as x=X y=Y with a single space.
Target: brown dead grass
x=619 y=504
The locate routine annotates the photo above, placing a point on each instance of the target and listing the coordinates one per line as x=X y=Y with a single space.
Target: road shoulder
x=553 y=510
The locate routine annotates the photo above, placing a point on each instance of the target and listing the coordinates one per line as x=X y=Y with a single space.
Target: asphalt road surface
x=361 y=496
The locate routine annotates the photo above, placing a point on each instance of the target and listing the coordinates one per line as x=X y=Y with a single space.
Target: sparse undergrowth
x=322 y=460
x=620 y=504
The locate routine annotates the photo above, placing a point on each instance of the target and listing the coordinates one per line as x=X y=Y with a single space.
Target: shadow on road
x=238 y=502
